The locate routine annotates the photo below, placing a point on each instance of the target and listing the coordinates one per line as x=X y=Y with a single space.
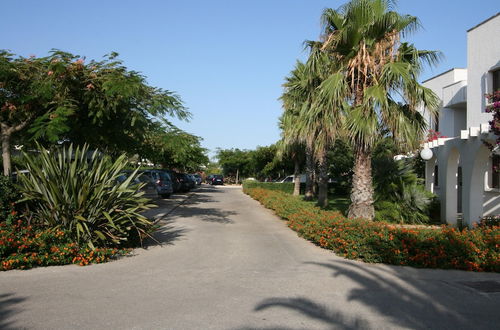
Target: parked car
x=289 y=178
x=176 y=184
x=216 y=179
x=160 y=179
x=149 y=188
x=184 y=181
x=192 y=181
x=197 y=178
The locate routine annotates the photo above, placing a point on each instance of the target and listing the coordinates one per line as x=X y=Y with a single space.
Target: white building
x=460 y=171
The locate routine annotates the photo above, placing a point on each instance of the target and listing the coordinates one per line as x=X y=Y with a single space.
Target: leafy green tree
x=235 y=161
x=371 y=71
x=25 y=93
x=61 y=98
x=174 y=148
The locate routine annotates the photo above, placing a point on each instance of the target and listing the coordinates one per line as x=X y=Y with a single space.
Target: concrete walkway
x=228 y=263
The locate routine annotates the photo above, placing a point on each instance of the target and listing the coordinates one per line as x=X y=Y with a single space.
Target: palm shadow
x=313 y=311
x=8 y=309
x=403 y=297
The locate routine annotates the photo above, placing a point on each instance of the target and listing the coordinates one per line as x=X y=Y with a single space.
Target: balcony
x=455 y=95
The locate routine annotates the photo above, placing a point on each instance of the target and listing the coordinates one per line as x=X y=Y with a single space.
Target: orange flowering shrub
x=24 y=246
x=475 y=249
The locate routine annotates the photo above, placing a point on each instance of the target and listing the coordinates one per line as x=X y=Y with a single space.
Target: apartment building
x=461 y=170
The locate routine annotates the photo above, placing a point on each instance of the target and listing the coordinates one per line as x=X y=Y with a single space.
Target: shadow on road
x=167 y=234
x=400 y=300
x=8 y=308
x=208 y=214
x=198 y=206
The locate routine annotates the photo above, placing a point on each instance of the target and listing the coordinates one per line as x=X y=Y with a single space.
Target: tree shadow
x=198 y=206
x=313 y=311
x=214 y=215
x=8 y=309
x=416 y=298
x=400 y=297
x=166 y=234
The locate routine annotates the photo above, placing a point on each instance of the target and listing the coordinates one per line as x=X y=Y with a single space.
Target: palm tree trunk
x=362 y=187
x=323 y=182
x=296 y=177
x=309 y=193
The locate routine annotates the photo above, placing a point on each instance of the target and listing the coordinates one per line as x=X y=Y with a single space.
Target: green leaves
x=77 y=190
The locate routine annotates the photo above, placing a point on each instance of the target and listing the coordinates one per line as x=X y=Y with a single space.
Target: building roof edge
x=442 y=73
x=486 y=20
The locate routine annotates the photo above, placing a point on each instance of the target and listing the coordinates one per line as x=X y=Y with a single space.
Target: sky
x=227 y=59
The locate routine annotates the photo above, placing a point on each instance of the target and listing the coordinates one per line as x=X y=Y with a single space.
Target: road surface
x=228 y=263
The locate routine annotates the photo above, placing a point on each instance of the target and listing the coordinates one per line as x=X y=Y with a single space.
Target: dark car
x=216 y=179
x=192 y=181
x=184 y=182
x=160 y=179
x=176 y=184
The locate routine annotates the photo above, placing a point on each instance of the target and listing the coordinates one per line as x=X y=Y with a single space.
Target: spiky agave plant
x=77 y=189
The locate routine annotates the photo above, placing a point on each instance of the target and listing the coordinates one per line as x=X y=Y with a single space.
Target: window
x=495 y=171
x=436 y=176
x=436 y=124
x=496 y=80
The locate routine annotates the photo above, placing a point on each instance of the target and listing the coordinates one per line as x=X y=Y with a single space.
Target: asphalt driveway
x=227 y=263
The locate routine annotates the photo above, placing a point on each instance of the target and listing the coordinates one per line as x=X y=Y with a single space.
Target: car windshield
x=218 y=176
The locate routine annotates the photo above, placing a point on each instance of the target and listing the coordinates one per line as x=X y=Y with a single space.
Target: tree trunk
x=6 y=132
x=362 y=187
x=323 y=182
x=296 y=177
x=309 y=193
x=6 y=152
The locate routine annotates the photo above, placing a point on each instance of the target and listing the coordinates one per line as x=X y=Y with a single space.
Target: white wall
x=483 y=55
x=451 y=120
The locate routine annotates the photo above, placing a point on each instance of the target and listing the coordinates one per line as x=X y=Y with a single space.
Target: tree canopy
x=63 y=98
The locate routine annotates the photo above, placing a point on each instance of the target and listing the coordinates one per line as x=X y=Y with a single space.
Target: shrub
x=419 y=246
x=286 y=187
x=8 y=197
x=490 y=221
x=76 y=190
x=25 y=246
x=400 y=195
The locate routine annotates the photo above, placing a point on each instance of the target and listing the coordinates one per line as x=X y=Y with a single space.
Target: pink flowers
x=434 y=135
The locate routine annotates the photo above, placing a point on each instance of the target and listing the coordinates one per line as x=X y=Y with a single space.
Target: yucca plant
x=77 y=189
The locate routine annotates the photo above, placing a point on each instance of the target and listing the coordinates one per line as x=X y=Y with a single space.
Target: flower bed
x=23 y=246
x=477 y=249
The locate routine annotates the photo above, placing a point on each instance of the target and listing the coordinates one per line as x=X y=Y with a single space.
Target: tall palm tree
x=312 y=122
x=376 y=75
x=297 y=98
x=293 y=149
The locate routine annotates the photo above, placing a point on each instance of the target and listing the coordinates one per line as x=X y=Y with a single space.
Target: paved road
x=227 y=263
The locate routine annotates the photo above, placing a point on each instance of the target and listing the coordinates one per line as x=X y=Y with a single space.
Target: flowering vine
x=494 y=108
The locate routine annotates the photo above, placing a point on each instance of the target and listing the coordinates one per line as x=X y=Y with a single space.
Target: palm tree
x=375 y=75
x=311 y=120
x=297 y=99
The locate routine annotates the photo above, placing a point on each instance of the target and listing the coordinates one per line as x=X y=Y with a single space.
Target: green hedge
x=286 y=187
x=475 y=249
